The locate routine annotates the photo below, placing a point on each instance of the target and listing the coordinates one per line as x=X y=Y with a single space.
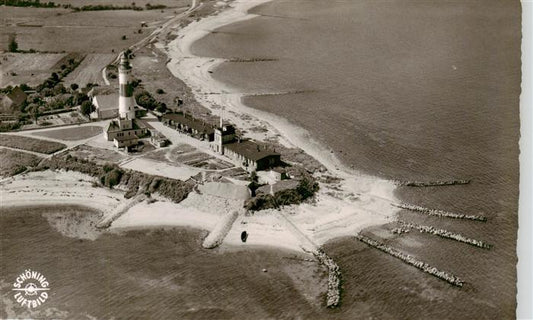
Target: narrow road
x=195 y=5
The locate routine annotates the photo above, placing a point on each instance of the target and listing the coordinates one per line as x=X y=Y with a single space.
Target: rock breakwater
x=333 y=295
x=438 y=183
x=450 y=278
x=446 y=234
x=217 y=235
x=440 y=213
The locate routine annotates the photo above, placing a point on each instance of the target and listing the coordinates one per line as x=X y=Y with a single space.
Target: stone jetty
x=116 y=212
x=438 y=183
x=221 y=229
x=446 y=234
x=333 y=295
x=450 y=278
x=440 y=213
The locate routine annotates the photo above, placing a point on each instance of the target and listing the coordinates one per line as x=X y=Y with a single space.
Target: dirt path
x=195 y=5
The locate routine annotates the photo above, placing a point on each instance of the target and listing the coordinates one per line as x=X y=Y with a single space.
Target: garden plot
x=190 y=156
x=59 y=119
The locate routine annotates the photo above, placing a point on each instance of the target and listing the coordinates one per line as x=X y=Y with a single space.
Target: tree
x=162 y=108
x=87 y=107
x=124 y=37
x=13 y=45
x=74 y=86
x=160 y=91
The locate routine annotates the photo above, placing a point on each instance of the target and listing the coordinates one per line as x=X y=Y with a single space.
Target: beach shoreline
x=341 y=208
x=374 y=194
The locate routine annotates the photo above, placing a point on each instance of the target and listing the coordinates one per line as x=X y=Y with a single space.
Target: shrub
x=13 y=45
x=112 y=178
x=87 y=107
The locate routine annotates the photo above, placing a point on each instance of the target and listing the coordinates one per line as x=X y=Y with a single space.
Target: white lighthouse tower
x=126 y=102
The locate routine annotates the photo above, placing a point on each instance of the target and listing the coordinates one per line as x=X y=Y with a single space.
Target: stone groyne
x=333 y=295
x=450 y=278
x=439 y=183
x=440 y=213
x=108 y=219
x=217 y=235
x=446 y=234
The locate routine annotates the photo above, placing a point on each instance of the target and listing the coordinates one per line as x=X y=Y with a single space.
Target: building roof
x=126 y=138
x=113 y=126
x=250 y=150
x=106 y=102
x=17 y=96
x=143 y=124
x=278 y=186
x=190 y=122
x=102 y=91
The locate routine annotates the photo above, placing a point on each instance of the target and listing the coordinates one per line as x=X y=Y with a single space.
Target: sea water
x=408 y=90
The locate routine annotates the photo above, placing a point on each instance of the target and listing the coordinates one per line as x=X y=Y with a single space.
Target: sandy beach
x=340 y=209
x=363 y=200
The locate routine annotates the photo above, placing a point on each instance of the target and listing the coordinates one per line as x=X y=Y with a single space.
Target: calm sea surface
x=404 y=90
x=400 y=89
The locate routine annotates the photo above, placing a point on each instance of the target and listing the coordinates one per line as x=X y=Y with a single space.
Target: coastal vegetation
x=112 y=176
x=14 y=162
x=97 y=7
x=30 y=144
x=306 y=189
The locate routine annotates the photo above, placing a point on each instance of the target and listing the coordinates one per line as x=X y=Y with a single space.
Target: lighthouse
x=126 y=102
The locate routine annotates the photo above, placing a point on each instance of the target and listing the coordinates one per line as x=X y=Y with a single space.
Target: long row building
x=249 y=154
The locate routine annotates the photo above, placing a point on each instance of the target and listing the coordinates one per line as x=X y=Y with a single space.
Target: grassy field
x=90 y=69
x=71 y=134
x=58 y=30
x=29 y=68
x=30 y=144
x=120 y=3
x=13 y=162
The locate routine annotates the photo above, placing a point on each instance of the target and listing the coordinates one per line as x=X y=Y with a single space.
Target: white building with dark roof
x=106 y=106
